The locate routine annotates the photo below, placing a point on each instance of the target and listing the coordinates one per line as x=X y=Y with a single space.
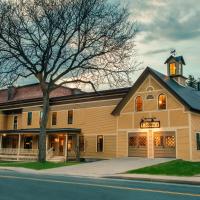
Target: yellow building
x=159 y=116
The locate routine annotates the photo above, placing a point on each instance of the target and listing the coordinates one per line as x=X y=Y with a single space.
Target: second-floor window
x=15 y=121
x=54 y=118
x=70 y=117
x=162 y=102
x=29 y=118
x=138 y=104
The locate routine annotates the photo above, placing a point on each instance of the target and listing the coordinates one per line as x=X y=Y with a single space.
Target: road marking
x=102 y=186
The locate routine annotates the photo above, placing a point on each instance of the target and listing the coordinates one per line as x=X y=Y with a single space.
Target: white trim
x=153 y=111
x=92 y=135
x=190 y=135
x=117 y=137
x=155 y=129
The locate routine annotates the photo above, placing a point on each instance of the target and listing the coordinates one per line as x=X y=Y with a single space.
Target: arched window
x=138 y=104
x=162 y=102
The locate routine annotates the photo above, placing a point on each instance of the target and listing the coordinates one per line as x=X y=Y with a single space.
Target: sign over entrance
x=149 y=123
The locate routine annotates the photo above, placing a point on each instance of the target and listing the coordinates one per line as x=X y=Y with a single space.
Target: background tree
x=65 y=41
x=192 y=82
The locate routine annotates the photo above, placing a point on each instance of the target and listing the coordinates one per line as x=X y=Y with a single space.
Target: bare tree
x=65 y=41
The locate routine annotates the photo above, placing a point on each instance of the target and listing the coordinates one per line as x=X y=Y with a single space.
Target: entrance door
x=137 y=145
x=164 y=145
x=57 y=143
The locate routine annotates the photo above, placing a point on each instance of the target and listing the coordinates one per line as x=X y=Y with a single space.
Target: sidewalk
x=192 y=180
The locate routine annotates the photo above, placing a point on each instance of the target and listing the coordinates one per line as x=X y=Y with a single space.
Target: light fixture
x=4 y=135
x=56 y=139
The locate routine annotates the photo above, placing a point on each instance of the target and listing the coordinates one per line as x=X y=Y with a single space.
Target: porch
x=60 y=146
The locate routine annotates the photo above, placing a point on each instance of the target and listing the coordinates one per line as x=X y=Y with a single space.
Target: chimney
x=11 y=92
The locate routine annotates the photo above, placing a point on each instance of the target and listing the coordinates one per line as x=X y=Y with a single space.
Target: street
x=18 y=186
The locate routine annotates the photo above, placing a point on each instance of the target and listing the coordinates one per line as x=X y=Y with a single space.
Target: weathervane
x=173 y=52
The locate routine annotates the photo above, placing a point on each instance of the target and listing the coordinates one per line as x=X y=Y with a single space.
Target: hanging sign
x=149 y=123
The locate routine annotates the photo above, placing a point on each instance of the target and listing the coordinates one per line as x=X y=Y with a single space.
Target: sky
x=164 y=25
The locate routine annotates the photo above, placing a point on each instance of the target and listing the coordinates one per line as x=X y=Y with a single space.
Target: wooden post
x=66 y=147
x=19 y=144
x=77 y=148
x=0 y=141
x=47 y=142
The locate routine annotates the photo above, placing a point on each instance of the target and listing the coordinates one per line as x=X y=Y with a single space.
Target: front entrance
x=164 y=144
x=57 y=143
x=137 y=144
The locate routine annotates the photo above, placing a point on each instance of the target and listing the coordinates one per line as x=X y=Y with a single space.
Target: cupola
x=175 y=69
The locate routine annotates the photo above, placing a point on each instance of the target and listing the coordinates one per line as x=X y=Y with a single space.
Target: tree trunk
x=43 y=125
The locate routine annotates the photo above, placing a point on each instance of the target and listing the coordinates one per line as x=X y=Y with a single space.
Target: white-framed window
x=162 y=102
x=54 y=118
x=15 y=122
x=198 y=141
x=138 y=104
x=29 y=118
x=100 y=142
x=70 y=117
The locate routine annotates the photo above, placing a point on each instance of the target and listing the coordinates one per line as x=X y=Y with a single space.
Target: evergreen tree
x=192 y=82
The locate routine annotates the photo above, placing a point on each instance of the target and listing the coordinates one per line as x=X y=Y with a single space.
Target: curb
x=185 y=182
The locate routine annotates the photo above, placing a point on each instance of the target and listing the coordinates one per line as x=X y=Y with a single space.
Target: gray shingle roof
x=189 y=95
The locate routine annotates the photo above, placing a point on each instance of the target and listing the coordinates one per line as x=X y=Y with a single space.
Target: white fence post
x=19 y=144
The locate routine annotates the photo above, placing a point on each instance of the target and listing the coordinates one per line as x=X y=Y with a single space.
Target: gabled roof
x=177 y=59
x=188 y=96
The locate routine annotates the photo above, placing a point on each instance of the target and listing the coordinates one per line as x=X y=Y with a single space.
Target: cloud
x=171 y=20
x=157 y=51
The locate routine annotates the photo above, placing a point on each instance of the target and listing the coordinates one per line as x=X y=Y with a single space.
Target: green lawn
x=173 y=168
x=36 y=165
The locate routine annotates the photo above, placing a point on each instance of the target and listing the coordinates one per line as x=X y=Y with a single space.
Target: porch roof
x=49 y=131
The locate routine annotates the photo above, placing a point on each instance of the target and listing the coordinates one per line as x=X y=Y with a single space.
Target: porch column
x=77 y=148
x=0 y=141
x=19 y=145
x=47 y=142
x=66 y=147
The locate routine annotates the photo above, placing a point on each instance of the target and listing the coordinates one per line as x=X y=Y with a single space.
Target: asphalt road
x=17 y=186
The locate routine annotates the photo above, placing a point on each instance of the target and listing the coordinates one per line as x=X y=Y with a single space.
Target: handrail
x=49 y=153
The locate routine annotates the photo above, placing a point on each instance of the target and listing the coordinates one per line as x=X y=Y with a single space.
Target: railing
x=50 y=153
x=16 y=151
x=28 y=151
x=8 y=151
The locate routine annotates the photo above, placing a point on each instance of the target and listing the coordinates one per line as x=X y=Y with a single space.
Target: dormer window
x=162 y=102
x=138 y=104
x=172 y=68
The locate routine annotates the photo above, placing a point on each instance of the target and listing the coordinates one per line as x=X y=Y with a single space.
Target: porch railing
x=16 y=151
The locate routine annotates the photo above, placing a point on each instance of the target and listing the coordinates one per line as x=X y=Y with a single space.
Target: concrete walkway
x=106 y=167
